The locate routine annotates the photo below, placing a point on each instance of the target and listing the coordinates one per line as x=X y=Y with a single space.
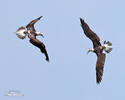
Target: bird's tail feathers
x=108 y=43
x=107 y=46
x=109 y=50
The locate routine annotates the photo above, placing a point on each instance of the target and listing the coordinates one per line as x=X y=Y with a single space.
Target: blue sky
x=70 y=74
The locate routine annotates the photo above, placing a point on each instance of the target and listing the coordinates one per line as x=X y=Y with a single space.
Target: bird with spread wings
x=97 y=48
x=31 y=32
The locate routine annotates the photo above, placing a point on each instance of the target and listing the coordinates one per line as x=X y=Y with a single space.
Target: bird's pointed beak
x=42 y=35
x=88 y=51
x=15 y=32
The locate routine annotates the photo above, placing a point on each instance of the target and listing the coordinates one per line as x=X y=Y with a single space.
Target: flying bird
x=30 y=31
x=97 y=49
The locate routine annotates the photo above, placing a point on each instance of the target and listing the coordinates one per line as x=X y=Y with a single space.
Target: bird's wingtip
x=98 y=79
x=40 y=17
x=98 y=82
x=47 y=60
x=81 y=20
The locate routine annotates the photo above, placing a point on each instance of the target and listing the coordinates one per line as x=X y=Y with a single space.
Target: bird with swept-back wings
x=31 y=32
x=97 y=48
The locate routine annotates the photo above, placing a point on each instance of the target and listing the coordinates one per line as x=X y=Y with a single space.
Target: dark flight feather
x=40 y=45
x=30 y=26
x=99 y=67
x=97 y=49
x=90 y=34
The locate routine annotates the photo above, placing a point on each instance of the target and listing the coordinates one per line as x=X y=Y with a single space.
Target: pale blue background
x=70 y=74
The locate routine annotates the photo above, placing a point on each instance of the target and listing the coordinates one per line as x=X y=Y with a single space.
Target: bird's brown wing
x=99 y=67
x=30 y=26
x=40 y=45
x=90 y=34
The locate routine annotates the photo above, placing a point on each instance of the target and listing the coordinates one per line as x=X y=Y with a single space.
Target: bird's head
x=90 y=50
x=40 y=34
